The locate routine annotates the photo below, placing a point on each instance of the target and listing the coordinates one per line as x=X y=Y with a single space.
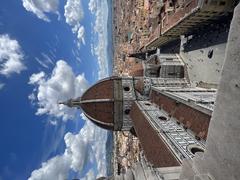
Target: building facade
x=184 y=132
x=170 y=118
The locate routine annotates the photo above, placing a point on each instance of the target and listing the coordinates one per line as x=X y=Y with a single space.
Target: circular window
x=195 y=148
x=126 y=88
x=163 y=118
x=127 y=111
x=147 y=104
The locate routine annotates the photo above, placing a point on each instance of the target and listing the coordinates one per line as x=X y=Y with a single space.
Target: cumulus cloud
x=99 y=10
x=92 y=5
x=40 y=8
x=81 y=149
x=11 y=56
x=73 y=12
x=61 y=85
x=37 y=78
x=76 y=148
x=56 y=168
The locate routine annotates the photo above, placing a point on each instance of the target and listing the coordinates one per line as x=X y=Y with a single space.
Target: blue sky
x=50 y=51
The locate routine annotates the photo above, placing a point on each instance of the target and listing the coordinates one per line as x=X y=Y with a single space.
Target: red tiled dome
x=97 y=103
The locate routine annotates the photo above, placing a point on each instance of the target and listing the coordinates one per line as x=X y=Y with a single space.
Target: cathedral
x=186 y=132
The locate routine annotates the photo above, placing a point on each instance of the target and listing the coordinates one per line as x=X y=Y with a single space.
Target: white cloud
x=60 y=86
x=53 y=122
x=1 y=85
x=83 y=117
x=56 y=168
x=74 y=14
x=76 y=54
x=97 y=137
x=92 y=49
x=36 y=78
x=81 y=149
x=40 y=8
x=46 y=60
x=92 y=5
x=100 y=10
x=77 y=150
x=42 y=63
x=80 y=36
x=89 y=176
x=11 y=56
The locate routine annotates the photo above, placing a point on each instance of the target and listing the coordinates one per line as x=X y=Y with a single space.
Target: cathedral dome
x=107 y=103
x=97 y=103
